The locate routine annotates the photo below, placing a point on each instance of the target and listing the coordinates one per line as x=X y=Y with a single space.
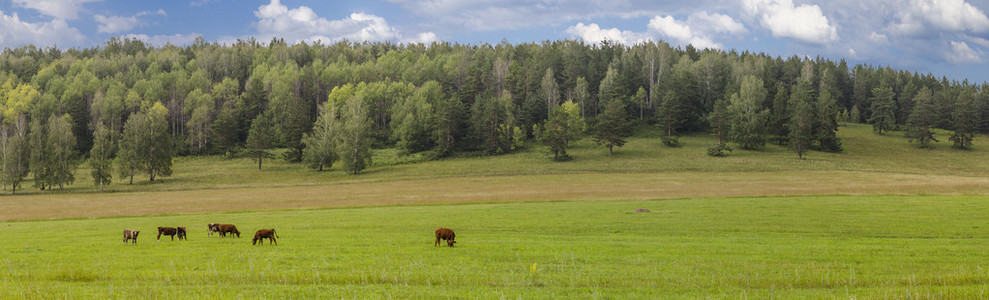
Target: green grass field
x=881 y=220
x=783 y=247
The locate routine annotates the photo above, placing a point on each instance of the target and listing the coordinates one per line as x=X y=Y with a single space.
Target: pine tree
x=883 y=111
x=612 y=125
x=801 y=124
x=921 y=119
x=261 y=138
x=964 y=118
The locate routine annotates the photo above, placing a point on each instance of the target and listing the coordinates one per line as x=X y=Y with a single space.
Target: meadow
x=881 y=220
x=757 y=247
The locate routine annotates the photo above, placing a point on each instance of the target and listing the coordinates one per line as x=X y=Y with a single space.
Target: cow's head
x=135 y=233
x=450 y=242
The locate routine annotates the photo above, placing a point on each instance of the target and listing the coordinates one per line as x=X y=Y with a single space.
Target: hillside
x=871 y=164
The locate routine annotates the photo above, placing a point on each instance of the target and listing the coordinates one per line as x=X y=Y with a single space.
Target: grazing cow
x=169 y=231
x=444 y=234
x=265 y=234
x=212 y=228
x=130 y=235
x=181 y=233
x=223 y=229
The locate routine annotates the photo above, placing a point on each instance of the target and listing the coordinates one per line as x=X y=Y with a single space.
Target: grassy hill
x=870 y=165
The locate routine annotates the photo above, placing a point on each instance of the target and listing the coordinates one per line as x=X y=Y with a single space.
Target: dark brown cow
x=169 y=231
x=181 y=233
x=212 y=228
x=223 y=229
x=264 y=234
x=130 y=235
x=443 y=233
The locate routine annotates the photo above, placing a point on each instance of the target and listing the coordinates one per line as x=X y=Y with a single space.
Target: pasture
x=761 y=247
x=881 y=220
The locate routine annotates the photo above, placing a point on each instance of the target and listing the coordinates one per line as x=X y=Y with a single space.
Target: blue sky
x=944 y=37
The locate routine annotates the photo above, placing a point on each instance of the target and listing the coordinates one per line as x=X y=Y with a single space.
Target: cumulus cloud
x=697 y=29
x=161 y=40
x=303 y=24
x=14 y=32
x=805 y=23
x=961 y=53
x=950 y=15
x=60 y=9
x=595 y=34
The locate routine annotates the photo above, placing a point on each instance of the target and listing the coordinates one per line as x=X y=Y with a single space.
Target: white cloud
x=961 y=53
x=16 y=33
x=698 y=29
x=60 y=9
x=950 y=15
x=594 y=34
x=161 y=40
x=806 y=23
x=302 y=24
x=424 y=38
x=717 y=23
x=115 y=24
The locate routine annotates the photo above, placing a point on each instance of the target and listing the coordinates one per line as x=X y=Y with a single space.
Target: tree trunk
x=609 y=148
x=260 y=157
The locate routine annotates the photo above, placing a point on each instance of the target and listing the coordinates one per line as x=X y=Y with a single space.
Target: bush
x=718 y=150
x=671 y=141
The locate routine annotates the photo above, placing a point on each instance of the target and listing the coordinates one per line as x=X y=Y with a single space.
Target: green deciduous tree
x=101 y=156
x=355 y=139
x=413 y=119
x=748 y=118
x=321 y=143
x=16 y=151
x=563 y=126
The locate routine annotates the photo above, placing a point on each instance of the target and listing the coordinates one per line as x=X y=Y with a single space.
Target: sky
x=944 y=37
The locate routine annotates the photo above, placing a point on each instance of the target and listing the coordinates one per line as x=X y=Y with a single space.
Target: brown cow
x=223 y=229
x=130 y=235
x=169 y=231
x=264 y=234
x=181 y=233
x=212 y=228
x=443 y=233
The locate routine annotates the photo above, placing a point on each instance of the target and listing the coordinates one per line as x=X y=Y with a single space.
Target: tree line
x=127 y=108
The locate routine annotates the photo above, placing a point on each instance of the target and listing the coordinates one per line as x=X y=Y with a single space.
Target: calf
x=223 y=229
x=444 y=234
x=169 y=231
x=265 y=234
x=212 y=228
x=130 y=235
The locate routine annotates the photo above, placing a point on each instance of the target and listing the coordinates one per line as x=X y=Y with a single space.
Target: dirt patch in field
x=576 y=187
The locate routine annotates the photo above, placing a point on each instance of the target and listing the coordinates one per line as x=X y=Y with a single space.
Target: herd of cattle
x=211 y=228
x=222 y=230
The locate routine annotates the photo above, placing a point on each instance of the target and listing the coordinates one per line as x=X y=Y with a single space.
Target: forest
x=126 y=108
